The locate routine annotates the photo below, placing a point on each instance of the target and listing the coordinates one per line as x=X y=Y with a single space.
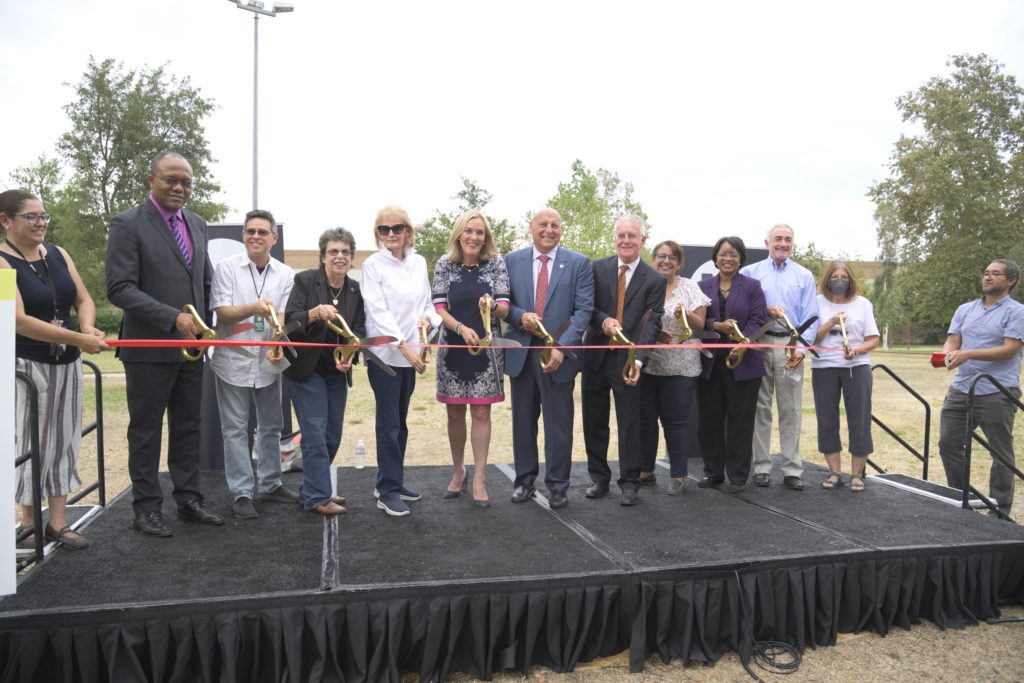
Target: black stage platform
x=364 y=597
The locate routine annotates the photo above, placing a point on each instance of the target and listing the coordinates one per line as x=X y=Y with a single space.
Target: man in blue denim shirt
x=986 y=336
x=788 y=290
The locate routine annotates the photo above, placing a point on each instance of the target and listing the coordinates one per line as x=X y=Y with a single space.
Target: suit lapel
x=162 y=229
x=636 y=282
x=557 y=266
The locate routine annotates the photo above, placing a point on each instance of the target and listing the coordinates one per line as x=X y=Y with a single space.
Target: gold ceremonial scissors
x=346 y=351
x=485 y=313
x=620 y=339
x=842 y=329
x=204 y=332
x=735 y=356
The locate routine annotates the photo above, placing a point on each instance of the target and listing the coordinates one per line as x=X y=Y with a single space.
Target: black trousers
x=668 y=398
x=151 y=389
x=726 y=432
x=597 y=413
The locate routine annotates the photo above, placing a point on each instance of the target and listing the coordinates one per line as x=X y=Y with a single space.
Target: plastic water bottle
x=360 y=455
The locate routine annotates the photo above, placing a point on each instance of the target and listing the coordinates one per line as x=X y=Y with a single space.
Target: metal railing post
x=970 y=436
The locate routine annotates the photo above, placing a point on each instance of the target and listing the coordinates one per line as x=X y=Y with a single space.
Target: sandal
x=68 y=537
x=831 y=484
x=857 y=483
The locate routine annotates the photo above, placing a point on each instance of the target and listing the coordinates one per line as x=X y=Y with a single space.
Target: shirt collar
x=779 y=266
x=537 y=252
x=165 y=214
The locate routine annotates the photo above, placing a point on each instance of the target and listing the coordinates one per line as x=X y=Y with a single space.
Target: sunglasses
x=383 y=230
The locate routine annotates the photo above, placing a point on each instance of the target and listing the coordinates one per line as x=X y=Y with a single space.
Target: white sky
x=726 y=118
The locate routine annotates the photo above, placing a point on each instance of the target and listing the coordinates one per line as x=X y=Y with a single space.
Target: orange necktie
x=620 y=295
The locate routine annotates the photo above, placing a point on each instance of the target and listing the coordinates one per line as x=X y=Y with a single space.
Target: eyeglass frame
x=186 y=183
x=347 y=253
x=33 y=217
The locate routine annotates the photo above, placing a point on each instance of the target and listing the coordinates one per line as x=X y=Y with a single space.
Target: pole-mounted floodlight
x=258 y=7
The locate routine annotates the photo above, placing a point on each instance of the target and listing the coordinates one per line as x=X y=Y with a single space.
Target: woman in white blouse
x=843 y=368
x=396 y=295
x=670 y=376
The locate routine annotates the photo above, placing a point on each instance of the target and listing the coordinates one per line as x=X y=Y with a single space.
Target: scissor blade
x=375 y=359
x=759 y=332
x=705 y=334
x=376 y=341
x=505 y=343
x=803 y=328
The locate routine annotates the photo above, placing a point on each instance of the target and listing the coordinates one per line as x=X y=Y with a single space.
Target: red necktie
x=542 y=285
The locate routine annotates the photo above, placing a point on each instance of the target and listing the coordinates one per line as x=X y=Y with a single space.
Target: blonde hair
x=409 y=238
x=489 y=250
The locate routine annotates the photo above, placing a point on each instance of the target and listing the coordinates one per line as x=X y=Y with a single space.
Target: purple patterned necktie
x=180 y=239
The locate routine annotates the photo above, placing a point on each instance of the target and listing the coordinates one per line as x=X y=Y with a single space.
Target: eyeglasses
x=393 y=229
x=253 y=232
x=623 y=236
x=186 y=183
x=841 y=278
x=347 y=253
x=987 y=273
x=33 y=217
x=665 y=257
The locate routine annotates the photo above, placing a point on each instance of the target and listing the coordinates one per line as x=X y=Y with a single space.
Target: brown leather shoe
x=340 y=500
x=330 y=508
x=68 y=537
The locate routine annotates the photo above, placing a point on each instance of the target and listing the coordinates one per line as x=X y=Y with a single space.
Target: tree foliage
x=954 y=200
x=120 y=119
x=432 y=238
x=589 y=204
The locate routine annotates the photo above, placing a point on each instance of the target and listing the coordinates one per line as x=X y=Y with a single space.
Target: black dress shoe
x=794 y=483
x=521 y=494
x=558 y=499
x=152 y=524
x=195 y=511
x=596 y=490
x=709 y=482
x=630 y=496
x=648 y=479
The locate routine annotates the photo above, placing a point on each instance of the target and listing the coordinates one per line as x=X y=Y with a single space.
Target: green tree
x=120 y=119
x=589 y=204
x=955 y=196
x=432 y=238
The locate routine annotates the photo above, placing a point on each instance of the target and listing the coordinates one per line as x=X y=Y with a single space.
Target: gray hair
x=336 y=235
x=265 y=215
x=786 y=226
x=633 y=218
x=1012 y=270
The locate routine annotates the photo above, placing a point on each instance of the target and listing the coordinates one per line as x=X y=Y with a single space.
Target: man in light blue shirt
x=789 y=291
x=985 y=336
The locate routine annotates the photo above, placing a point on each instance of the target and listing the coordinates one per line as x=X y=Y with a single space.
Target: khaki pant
x=789 y=394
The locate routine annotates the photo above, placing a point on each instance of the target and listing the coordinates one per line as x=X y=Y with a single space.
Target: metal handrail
x=970 y=436
x=923 y=457
x=34 y=455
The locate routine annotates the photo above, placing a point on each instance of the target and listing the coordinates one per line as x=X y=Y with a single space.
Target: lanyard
x=43 y=277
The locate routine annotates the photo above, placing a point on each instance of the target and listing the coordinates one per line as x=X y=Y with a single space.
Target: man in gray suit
x=555 y=286
x=156 y=264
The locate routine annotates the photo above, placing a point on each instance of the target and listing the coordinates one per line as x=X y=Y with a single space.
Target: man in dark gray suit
x=629 y=295
x=556 y=286
x=156 y=264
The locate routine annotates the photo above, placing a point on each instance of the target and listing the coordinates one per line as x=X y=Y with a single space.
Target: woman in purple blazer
x=728 y=397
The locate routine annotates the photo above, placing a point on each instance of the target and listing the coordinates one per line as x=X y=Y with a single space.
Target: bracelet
x=458 y=329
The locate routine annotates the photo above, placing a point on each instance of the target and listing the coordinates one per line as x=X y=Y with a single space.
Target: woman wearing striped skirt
x=47 y=349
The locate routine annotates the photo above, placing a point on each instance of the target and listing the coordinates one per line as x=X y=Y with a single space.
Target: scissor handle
x=204 y=332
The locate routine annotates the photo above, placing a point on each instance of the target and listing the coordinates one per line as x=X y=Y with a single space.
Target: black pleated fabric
x=352 y=637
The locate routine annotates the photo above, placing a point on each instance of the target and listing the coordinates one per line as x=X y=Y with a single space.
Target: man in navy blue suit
x=555 y=286
x=629 y=296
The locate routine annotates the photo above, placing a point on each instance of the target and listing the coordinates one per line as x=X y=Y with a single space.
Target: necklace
x=335 y=295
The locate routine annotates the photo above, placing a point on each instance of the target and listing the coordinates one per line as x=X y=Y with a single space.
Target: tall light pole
x=257 y=8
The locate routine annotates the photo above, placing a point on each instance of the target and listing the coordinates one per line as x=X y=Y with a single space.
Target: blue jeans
x=393 y=395
x=320 y=408
x=234 y=423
